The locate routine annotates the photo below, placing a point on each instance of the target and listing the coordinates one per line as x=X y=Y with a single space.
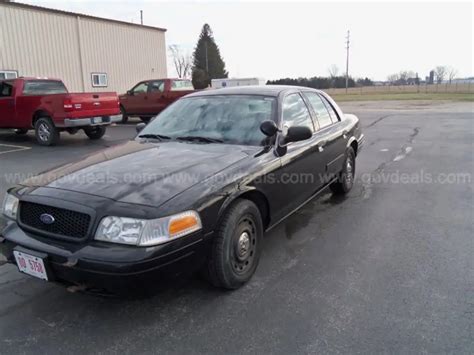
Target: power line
x=347 y=59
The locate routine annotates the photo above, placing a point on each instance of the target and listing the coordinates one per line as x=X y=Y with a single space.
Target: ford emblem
x=47 y=218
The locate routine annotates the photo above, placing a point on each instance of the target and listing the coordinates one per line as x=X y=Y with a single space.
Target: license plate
x=31 y=265
x=96 y=120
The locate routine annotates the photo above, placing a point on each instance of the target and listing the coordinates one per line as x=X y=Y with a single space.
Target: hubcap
x=44 y=132
x=244 y=245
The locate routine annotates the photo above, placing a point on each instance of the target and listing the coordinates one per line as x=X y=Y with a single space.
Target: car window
x=178 y=85
x=44 y=87
x=157 y=86
x=295 y=112
x=330 y=109
x=6 y=89
x=233 y=119
x=324 y=119
x=140 y=88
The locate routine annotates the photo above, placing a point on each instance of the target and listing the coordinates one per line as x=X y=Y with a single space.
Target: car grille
x=66 y=223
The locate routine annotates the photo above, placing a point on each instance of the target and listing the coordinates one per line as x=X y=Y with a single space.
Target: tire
x=345 y=179
x=21 y=131
x=145 y=119
x=45 y=132
x=96 y=132
x=236 y=248
x=124 y=115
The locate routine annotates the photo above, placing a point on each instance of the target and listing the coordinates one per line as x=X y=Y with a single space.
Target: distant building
x=88 y=53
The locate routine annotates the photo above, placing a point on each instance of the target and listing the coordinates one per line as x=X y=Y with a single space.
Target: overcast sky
x=288 y=39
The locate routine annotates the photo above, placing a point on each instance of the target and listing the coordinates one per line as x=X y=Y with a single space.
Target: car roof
x=265 y=90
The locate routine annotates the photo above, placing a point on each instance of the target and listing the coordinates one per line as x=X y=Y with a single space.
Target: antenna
x=347 y=59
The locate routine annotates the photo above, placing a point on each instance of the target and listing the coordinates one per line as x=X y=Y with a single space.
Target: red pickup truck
x=46 y=106
x=148 y=98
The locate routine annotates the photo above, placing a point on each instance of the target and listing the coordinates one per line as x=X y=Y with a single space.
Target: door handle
x=321 y=145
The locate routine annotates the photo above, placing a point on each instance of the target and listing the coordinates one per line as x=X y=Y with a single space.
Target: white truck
x=225 y=83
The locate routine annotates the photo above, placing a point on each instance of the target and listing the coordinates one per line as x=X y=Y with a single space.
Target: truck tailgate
x=93 y=104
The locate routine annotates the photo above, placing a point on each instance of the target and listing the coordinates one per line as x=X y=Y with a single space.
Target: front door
x=136 y=102
x=156 y=97
x=301 y=164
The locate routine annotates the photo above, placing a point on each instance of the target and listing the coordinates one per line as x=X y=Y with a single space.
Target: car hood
x=142 y=172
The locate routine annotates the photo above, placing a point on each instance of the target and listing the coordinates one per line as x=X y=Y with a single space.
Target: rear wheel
x=236 y=247
x=95 y=132
x=345 y=180
x=21 y=131
x=124 y=114
x=45 y=131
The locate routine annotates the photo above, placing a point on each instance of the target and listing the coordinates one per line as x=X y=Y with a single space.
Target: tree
x=207 y=61
x=333 y=70
x=440 y=72
x=181 y=61
x=452 y=72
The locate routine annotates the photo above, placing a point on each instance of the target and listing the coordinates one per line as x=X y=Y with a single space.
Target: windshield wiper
x=154 y=136
x=199 y=139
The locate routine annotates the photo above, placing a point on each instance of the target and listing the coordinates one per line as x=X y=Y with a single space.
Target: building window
x=99 y=80
x=8 y=74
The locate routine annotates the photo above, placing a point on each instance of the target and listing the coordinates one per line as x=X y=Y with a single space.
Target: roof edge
x=76 y=14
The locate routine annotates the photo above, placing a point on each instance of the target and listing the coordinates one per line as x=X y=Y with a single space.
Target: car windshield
x=232 y=119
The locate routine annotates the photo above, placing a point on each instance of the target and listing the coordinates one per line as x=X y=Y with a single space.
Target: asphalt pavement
x=388 y=269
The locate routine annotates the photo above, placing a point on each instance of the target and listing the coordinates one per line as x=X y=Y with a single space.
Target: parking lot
x=388 y=269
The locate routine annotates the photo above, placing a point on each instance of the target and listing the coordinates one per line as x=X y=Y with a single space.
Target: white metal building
x=88 y=53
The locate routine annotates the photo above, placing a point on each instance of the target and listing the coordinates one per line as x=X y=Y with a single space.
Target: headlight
x=147 y=232
x=10 y=206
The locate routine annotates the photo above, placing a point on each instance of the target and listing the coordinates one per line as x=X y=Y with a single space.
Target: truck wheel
x=94 y=133
x=345 y=179
x=45 y=131
x=21 y=131
x=236 y=247
x=124 y=114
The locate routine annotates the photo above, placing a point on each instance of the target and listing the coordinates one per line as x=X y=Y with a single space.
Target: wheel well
x=354 y=146
x=262 y=203
x=37 y=115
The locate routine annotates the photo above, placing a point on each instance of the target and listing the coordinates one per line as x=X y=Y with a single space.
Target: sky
x=275 y=39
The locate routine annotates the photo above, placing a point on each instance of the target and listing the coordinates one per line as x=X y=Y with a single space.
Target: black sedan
x=195 y=190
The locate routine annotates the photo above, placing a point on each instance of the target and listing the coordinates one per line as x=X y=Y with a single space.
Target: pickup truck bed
x=45 y=106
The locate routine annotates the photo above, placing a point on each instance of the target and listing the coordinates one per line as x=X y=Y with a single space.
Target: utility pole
x=141 y=17
x=347 y=60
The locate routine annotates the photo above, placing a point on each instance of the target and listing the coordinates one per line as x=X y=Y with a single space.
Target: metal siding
x=39 y=43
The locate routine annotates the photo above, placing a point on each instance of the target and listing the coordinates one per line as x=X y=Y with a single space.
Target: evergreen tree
x=207 y=61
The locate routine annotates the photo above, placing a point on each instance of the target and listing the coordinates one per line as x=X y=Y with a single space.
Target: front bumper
x=105 y=266
x=91 y=121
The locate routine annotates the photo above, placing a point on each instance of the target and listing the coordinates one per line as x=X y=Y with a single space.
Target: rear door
x=333 y=140
x=7 y=104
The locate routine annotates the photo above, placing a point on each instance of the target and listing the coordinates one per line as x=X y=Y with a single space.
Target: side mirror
x=129 y=92
x=269 y=128
x=140 y=126
x=298 y=133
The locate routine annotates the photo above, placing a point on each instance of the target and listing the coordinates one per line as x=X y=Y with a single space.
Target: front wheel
x=236 y=247
x=45 y=131
x=124 y=114
x=94 y=133
x=345 y=179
